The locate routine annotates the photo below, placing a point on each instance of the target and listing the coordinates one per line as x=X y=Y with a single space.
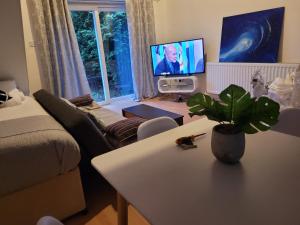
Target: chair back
x=48 y=220
x=155 y=126
x=289 y=122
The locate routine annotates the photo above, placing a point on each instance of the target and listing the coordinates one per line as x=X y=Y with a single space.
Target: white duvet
x=29 y=107
x=33 y=147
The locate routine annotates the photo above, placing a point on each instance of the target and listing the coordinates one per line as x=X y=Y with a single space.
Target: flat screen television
x=180 y=58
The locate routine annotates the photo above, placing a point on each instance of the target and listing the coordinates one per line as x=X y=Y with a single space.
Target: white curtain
x=140 y=17
x=60 y=63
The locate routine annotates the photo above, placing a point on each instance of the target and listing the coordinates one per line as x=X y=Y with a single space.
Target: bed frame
x=61 y=197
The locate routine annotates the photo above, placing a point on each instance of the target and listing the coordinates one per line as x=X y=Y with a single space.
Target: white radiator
x=221 y=75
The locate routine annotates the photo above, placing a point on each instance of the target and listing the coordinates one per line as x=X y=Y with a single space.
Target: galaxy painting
x=252 y=37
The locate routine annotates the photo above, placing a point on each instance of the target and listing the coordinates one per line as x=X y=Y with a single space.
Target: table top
x=171 y=186
x=150 y=112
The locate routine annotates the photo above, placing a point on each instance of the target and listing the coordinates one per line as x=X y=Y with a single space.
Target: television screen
x=178 y=58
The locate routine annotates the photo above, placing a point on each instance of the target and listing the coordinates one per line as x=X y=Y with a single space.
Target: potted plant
x=237 y=114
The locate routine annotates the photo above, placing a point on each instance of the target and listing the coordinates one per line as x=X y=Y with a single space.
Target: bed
x=43 y=142
x=39 y=160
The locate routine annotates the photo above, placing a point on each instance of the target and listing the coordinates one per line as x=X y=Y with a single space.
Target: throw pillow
x=124 y=131
x=82 y=100
x=4 y=97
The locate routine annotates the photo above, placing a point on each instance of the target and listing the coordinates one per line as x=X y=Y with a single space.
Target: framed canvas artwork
x=252 y=37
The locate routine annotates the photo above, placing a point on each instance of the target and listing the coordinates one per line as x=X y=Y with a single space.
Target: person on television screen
x=169 y=64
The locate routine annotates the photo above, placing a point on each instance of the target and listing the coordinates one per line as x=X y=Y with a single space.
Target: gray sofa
x=89 y=137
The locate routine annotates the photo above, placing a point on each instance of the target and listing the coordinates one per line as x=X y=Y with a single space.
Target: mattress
x=34 y=147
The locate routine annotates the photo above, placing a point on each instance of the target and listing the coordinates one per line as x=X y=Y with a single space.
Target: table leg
x=122 y=206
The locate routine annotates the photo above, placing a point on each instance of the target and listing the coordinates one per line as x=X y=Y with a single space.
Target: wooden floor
x=169 y=103
x=101 y=201
x=166 y=102
x=100 y=196
x=108 y=216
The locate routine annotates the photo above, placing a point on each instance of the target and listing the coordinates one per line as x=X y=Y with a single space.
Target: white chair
x=48 y=220
x=289 y=122
x=155 y=126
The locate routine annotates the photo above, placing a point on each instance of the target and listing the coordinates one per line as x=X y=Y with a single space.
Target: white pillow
x=7 y=85
x=17 y=95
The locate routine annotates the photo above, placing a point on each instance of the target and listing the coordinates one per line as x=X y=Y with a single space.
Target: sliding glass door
x=117 y=54
x=86 y=36
x=104 y=47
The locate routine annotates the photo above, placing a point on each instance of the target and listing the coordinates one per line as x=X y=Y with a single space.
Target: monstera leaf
x=236 y=108
x=202 y=104
x=236 y=102
x=264 y=114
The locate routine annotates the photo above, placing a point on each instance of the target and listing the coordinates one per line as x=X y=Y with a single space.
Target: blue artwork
x=252 y=37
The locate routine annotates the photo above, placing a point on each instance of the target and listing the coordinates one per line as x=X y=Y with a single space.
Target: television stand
x=187 y=84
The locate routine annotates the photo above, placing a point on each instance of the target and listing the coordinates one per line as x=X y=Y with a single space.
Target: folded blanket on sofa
x=82 y=100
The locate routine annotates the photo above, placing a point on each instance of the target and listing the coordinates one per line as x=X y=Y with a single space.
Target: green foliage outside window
x=84 y=28
x=116 y=50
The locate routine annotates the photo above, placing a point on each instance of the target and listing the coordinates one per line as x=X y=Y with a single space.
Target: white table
x=170 y=186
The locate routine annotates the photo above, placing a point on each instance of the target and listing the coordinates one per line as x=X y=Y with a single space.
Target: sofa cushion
x=76 y=122
x=105 y=117
x=124 y=131
x=97 y=121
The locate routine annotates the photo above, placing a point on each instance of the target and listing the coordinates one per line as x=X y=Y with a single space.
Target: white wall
x=12 y=52
x=178 y=20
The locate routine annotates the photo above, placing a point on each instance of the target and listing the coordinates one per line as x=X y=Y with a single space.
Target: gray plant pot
x=227 y=147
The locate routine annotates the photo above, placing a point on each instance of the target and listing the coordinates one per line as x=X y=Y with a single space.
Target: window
x=117 y=54
x=84 y=27
x=102 y=36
